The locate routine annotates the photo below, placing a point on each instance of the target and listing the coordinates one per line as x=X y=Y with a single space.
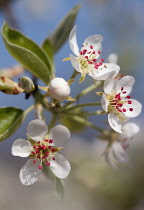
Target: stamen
x=91 y=47
x=39 y=166
x=47 y=163
x=34 y=161
x=131 y=109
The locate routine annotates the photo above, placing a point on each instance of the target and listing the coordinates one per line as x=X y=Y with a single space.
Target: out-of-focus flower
x=117 y=102
x=112 y=58
x=87 y=59
x=42 y=148
x=59 y=89
x=116 y=150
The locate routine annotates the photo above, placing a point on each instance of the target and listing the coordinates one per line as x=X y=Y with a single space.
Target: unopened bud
x=59 y=89
x=9 y=86
x=27 y=84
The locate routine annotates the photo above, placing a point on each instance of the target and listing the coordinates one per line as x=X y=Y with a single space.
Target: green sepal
x=10 y=120
x=28 y=53
x=64 y=28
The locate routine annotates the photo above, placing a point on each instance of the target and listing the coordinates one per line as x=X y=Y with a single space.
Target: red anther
x=90 y=62
x=33 y=153
x=124 y=110
x=38 y=157
x=113 y=103
x=129 y=102
x=47 y=163
x=38 y=142
x=131 y=109
x=40 y=167
x=100 y=63
x=124 y=92
x=86 y=57
x=34 y=146
x=53 y=149
x=93 y=52
x=122 y=88
x=53 y=158
x=99 y=52
x=120 y=105
x=89 y=52
x=50 y=141
x=119 y=110
x=84 y=52
x=46 y=140
x=95 y=67
x=81 y=52
x=44 y=147
x=91 y=47
x=94 y=60
x=102 y=60
x=49 y=147
x=128 y=97
x=34 y=161
x=37 y=151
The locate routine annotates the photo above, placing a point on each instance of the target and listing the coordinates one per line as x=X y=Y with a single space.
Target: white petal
x=119 y=153
x=129 y=130
x=109 y=159
x=37 y=129
x=73 y=41
x=104 y=102
x=109 y=83
x=127 y=83
x=75 y=63
x=60 y=135
x=60 y=166
x=137 y=107
x=30 y=173
x=112 y=58
x=102 y=73
x=21 y=148
x=95 y=42
x=114 y=122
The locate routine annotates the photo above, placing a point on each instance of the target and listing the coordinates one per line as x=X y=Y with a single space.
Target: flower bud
x=27 y=84
x=59 y=89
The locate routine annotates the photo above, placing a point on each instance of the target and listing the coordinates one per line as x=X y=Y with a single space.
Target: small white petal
x=60 y=135
x=109 y=159
x=112 y=58
x=30 y=173
x=104 y=102
x=95 y=42
x=127 y=83
x=102 y=73
x=21 y=148
x=109 y=83
x=136 y=106
x=73 y=41
x=114 y=122
x=60 y=166
x=37 y=129
x=129 y=130
x=75 y=63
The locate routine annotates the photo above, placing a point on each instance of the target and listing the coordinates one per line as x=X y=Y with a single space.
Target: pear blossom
x=42 y=149
x=117 y=101
x=59 y=89
x=87 y=59
x=116 y=151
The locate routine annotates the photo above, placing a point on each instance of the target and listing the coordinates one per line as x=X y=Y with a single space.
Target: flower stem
x=52 y=122
x=82 y=105
x=99 y=112
x=29 y=109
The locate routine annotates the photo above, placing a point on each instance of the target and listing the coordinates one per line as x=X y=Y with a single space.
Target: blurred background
x=91 y=185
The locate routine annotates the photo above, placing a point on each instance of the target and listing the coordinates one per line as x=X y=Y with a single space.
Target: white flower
x=116 y=153
x=87 y=59
x=42 y=149
x=112 y=58
x=117 y=102
x=59 y=89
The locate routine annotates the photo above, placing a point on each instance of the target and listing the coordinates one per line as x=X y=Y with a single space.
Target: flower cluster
x=42 y=147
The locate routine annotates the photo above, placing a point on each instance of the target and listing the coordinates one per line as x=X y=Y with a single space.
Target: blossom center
x=117 y=101
x=88 y=58
x=44 y=151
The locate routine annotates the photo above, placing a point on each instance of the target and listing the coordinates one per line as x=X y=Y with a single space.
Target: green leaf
x=27 y=52
x=48 y=48
x=10 y=120
x=64 y=28
x=57 y=183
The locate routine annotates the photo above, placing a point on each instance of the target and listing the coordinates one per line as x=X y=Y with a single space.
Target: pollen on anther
x=50 y=141
x=53 y=158
x=34 y=161
x=47 y=163
x=129 y=102
x=99 y=52
x=53 y=149
x=131 y=109
x=91 y=47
